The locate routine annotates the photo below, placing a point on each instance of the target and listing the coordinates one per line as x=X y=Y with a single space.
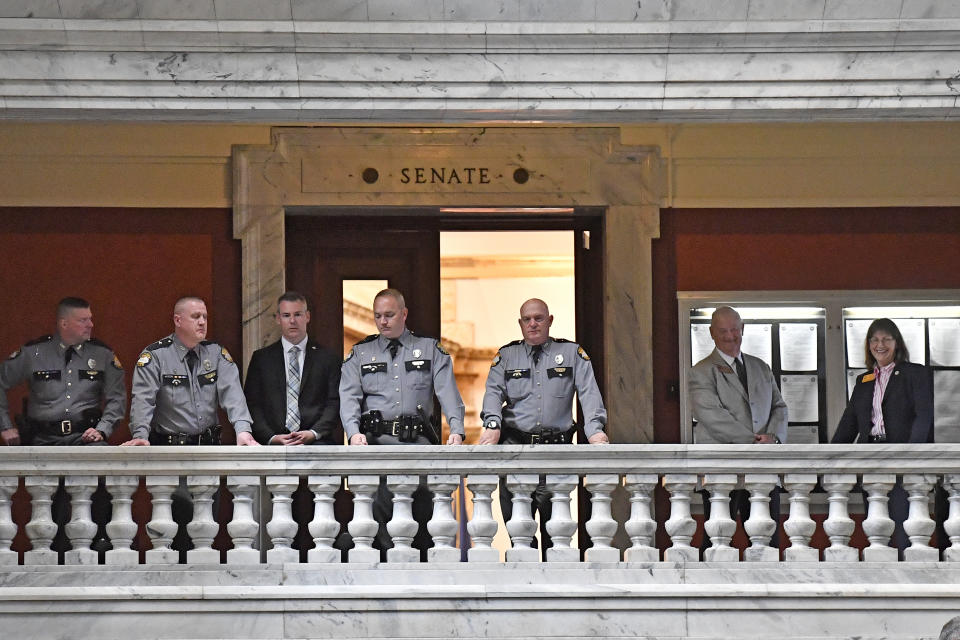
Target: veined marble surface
x=607 y=60
x=512 y=602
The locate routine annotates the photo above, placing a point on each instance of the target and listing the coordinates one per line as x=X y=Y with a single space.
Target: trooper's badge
x=417 y=353
x=558 y=358
x=225 y=354
x=207 y=365
x=144 y=359
x=582 y=353
x=91 y=364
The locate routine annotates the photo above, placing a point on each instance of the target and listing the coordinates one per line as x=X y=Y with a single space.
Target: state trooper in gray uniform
x=387 y=386
x=529 y=398
x=180 y=380
x=76 y=397
x=76 y=387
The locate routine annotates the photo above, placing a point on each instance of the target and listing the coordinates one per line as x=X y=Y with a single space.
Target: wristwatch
x=491 y=424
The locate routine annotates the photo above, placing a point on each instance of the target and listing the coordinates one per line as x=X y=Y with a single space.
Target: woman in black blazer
x=906 y=407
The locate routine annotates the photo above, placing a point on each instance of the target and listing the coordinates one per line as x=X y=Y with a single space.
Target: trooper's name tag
x=91 y=374
x=174 y=380
x=558 y=372
x=46 y=374
x=373 y=367
x=515 y=374
x=207 y=378
x=417 y=365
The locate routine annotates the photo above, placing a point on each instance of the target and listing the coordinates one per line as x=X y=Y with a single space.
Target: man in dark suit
x=292 y=385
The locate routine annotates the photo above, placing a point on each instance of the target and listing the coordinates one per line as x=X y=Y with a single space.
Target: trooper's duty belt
x=210 y=435
x=538 y=436
x=61 y=427
x=404 y=428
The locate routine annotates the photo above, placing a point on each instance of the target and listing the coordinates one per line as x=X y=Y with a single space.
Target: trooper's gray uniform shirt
x=529 y=397
x=169 y=399
x=60 y=391
x=371 y=381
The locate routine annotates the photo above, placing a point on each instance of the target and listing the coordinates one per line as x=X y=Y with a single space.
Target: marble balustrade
x=629 y=474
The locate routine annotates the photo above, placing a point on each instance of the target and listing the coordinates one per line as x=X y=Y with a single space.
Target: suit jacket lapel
x=893 y=384
x=308 y=366
x=730 y=377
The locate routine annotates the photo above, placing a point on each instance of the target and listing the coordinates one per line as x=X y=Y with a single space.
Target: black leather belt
x=61 y=427
x=207 y=436
x=404 y=428
x=539 y=436
x=879 y=439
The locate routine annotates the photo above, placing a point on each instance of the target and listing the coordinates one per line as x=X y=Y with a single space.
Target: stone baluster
x=8 y=528
x=877 y=525
x=402 y=527
x=282 y=528
x=761 y=525
x=919 y=525
x=838 y=525
x=482 y=527
x=951 y=525
x=363 y=528
x=720 y=526
x=800 y=527
x=162 y=528
x=522 y=527
x=203 y=528
x=641 y=526
x=324 y=527
x=443 y=524
x=41 y=529
x=81 y=529
x=601 y=526
x=243 y=527
x=681 y=526
x=561 y=525
x=121 y=528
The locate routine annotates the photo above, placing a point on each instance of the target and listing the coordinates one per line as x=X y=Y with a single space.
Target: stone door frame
x=508 y=167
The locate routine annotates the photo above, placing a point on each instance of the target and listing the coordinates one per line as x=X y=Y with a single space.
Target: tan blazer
x=722 y=409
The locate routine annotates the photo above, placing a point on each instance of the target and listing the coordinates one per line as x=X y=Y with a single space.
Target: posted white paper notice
x=802 y=397
x=944 y=342
x=798 y=347
x=757 y=342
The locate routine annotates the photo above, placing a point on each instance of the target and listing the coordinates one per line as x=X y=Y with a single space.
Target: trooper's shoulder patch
x=226 y=354
x=144 y=359
x=116 y=363
x=369 y=338
x=442 y=349
x=160 y=344
x=15 y=354
x=512 y=344
x=496 y=360
x=582 y=353
x=39 y=340
x=99 y=343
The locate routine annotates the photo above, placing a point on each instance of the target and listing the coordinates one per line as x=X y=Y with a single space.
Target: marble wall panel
x=852 y=9
x=30 y=9
x=177 y=10
x=252 y=10
x=99 y=9
x=334 y=10
x=404 y=9
x=491 y=10
x=780 y=10
x=718 y=10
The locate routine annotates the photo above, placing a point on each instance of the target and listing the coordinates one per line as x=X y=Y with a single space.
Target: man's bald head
x=535 y=321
